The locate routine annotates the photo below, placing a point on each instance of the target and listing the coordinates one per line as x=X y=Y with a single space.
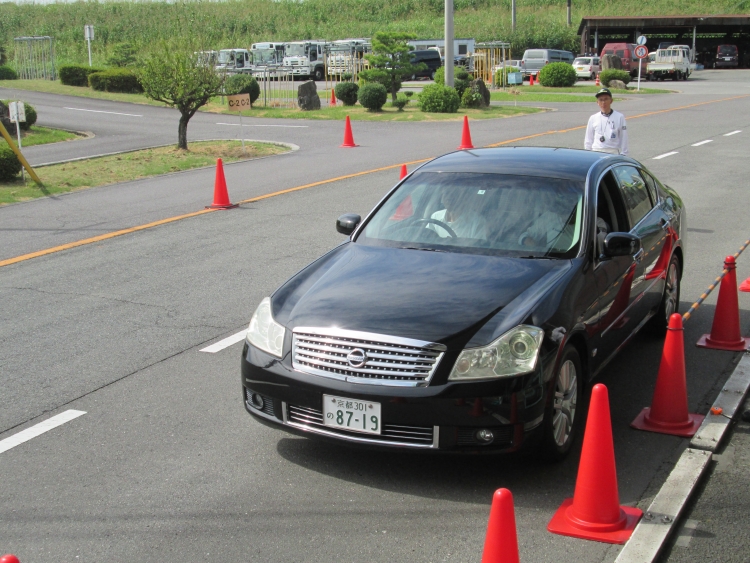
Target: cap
x=603 y=91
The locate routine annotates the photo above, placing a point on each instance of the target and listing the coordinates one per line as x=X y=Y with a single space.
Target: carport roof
x=707 y=23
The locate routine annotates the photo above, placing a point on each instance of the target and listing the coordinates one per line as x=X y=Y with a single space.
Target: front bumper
x=437 y=417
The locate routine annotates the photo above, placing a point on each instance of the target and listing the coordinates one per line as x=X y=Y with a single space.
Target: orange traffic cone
x=333 y=97
x=594 y=512
x=501 y=542
x=745 y=285
x=597 y=79
x=668 y=413
x=404 y=172
x=466 y=136
x=531 y=79
x=348 y=137
x=221 y=197
x=725 y=332
x=9 y=558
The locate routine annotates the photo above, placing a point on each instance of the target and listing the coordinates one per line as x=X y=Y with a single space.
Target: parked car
x=626 y=52
x=726 y=56
x=510 y=63
x=534 y=59
x=587 y=67
x=471 y=306
x=430 y=58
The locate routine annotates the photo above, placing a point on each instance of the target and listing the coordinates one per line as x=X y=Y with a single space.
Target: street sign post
x=18 y=115
x=641 y=40
x=641 y=52
x=238 y=102
x=88 y=34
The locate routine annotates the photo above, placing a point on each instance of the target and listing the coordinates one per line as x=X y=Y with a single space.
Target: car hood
x=432 y=296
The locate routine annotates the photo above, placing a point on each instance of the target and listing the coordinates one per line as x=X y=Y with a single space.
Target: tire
x=563 y=416
x=318 y=74
x=593 y=76
x=432 y=75
x=670 y=299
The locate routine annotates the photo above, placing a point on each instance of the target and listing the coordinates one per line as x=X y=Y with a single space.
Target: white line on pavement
x=226 y=343
x=110 y=112
x=252 y=125
x=732 y=133
x=664 y=155
x=38 y=429
x=702 y=143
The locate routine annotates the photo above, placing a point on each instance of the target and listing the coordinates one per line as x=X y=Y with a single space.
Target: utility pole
x=449 y=42
x=513 y=15
x=569 y=20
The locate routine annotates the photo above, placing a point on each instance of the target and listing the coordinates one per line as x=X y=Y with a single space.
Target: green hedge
x=76 y=75
x=437 y=98
x=347 y=92
x=30 y=115
x=115 y=80
x=372 y=96
x=402 y=100
x=10 y=166
x=557 y=75
x=461 y=78
x=7 y=73
x=614 y=74
x=242 y=84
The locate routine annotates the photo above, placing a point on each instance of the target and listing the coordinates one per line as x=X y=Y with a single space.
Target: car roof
x=547 y=162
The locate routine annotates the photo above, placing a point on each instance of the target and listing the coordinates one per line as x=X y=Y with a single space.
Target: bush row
x=115 y=80
x=7 y=73
x=76 y=75
x=10 y=166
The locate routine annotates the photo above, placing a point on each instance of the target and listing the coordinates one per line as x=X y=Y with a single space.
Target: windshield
x=495 y=214
x=582 y=62
x=264 y=56
x=226 y=56
x=727 y=49
x=533 y=55
x=293 y=50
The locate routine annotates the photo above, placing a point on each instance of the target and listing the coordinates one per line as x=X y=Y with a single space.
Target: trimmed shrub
x=461 y=78
x=76 y=75
x=613 y=74
x=30 y=115
x=472 y=98
x=7 y=73
x=401 y=102
x=437 y=98
x=10 y=166
x=242 y=84
x=347 y=92
x=408 y=93
x=115 y=80
x=499 y=75
x=372 y=96
x=557 y=75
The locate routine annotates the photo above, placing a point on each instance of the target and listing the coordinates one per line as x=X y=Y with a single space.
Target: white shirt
x=614 y=130
x=468 y=225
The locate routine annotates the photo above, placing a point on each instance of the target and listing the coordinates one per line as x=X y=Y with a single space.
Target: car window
x=596 y=61
x=651 y=185
x=496 y=214
x=634 y=192
x=620 y=53
x=533 y=55
x=582 y=62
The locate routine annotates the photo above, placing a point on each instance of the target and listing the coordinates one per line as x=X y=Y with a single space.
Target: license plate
x=727 y=58
x=580 y=68
x=351 y=414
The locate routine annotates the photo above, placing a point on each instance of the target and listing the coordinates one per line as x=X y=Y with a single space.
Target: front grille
x=394 y=434
x=363 y=357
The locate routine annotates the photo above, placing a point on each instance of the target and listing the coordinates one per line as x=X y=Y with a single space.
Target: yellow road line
x=114 y=234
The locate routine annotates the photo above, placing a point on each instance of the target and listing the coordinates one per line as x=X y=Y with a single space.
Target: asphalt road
x=166 y=466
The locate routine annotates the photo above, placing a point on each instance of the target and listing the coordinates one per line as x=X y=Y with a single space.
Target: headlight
x=514 y=353
x=264 y=332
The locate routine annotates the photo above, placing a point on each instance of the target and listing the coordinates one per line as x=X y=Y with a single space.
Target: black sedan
x=470 y=308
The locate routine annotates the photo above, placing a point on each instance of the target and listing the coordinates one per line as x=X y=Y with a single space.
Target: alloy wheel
x=566 y=395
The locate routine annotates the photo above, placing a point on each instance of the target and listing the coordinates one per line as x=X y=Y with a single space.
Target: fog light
x=256 y=401
x=484 y=436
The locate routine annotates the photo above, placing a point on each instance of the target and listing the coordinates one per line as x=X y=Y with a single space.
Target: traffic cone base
x=685 y=429
x=740 y=345
x=565 y=524
x=348 y=136
x=745 y=285
x=221 y=197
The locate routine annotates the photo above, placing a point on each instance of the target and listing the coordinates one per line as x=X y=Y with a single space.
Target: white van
x=535 y=59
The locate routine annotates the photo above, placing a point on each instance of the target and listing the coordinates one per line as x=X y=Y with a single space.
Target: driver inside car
x=543 y=230
x=459 y=214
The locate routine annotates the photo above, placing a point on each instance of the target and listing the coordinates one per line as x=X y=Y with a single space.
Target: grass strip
x=90 y=173
x=43 y=136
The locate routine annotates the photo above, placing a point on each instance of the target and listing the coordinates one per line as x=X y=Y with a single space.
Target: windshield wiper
x=422 y=248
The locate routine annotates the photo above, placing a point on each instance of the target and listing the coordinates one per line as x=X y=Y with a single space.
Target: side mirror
x=347 y=223
x=621 y=244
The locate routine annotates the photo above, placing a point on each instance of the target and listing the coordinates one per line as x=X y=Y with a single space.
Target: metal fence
x=276 y=86
x=35 y=58
x=487 y=58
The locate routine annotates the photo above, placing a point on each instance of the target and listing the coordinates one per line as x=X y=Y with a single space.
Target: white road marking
x=702 y=143
x=38 y=429
x=732 y=133
x=664 y=155
x=226 y=343
x=110 y=112
x=253 y=125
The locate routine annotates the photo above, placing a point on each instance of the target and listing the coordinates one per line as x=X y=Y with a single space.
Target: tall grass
x=238 y=23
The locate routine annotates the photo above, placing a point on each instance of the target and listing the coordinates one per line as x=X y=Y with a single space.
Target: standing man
x=606 y=131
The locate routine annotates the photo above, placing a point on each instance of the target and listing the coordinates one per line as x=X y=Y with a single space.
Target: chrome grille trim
x=390 y=360
x=311 y=420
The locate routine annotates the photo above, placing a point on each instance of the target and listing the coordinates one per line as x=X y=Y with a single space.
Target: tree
x=390 y=61
x=176 y=77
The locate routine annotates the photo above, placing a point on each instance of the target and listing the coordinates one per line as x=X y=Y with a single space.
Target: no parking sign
x=641 y=51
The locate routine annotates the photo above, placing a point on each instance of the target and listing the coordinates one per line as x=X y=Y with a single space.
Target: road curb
x=664 y=513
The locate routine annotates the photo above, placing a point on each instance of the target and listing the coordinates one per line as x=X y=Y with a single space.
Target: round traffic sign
x=641 y=40
x=641 y=51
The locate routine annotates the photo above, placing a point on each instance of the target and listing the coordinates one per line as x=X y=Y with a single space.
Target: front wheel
x=670 y=299
x=318 y=74
x=562 y=417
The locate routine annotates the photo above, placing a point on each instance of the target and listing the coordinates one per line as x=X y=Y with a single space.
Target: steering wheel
x=428 y=220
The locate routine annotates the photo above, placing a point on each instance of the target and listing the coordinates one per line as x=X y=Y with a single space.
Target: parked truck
x=671 y=63
x=234 y=61
x=265 y=55
x=307 y=58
